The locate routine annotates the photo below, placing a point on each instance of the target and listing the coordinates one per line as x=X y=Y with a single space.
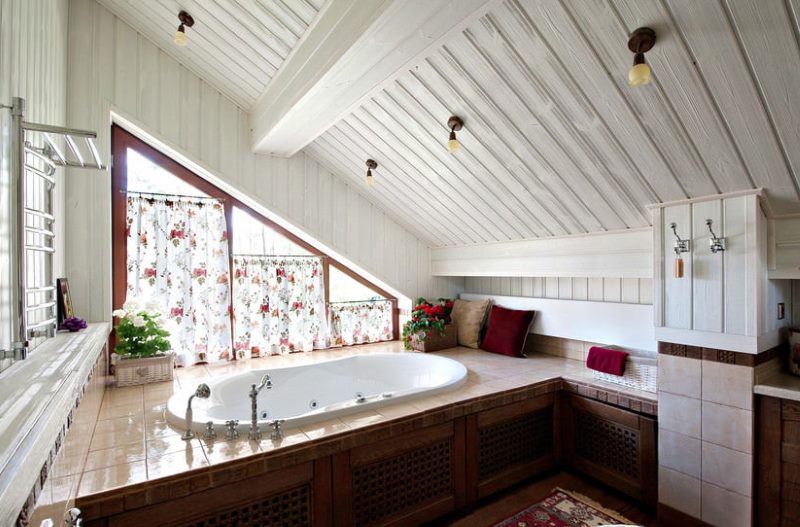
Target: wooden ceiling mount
x=186 y=19
x=642 y=40
x=455 y=123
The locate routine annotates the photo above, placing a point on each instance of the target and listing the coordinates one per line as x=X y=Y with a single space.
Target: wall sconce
x=371 y=165
x=455 y=124
x=716 y=243
x=642 y=40
x=681 y=246
x=186 y=21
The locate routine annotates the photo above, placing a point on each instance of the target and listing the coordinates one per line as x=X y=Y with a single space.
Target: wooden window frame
x=121 y=140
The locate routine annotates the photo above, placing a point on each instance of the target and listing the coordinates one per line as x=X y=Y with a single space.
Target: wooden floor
x=518 y=498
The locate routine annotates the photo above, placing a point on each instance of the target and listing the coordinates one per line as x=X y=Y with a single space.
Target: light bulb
x=639 y=75
x=452 y=145
x=370 y=179
x=180 y=37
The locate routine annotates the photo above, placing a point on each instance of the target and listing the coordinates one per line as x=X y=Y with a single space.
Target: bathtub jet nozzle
x=203 y=392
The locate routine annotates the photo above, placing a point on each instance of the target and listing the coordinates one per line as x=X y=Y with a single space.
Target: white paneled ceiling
x=235 y=45
x=555 y=142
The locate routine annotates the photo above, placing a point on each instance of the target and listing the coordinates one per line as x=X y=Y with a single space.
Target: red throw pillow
x=507 y=331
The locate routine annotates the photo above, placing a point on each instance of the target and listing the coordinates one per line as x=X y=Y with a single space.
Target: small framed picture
x=64 y=300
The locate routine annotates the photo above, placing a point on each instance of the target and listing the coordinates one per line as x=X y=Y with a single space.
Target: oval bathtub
x=315 y=392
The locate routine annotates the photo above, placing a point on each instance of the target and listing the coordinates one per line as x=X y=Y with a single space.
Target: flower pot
x=435 y=341
x=135 y=371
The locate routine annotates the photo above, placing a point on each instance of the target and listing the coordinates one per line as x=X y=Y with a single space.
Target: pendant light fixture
x=642 y=40
x=186 y=21
x=371 y=165
x=454 y=124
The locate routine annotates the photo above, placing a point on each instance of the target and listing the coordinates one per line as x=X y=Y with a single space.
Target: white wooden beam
x=619 y=254
x=352 y=50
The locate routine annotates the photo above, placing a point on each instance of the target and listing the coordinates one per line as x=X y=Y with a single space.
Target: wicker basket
x=641 y=373
x=436 y=341
x=132 y=372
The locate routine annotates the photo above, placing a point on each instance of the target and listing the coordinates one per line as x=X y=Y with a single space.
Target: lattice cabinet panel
x=289 y=508
x=607 y=443
x=613 y=445
x=389 y=486
x=510 y=443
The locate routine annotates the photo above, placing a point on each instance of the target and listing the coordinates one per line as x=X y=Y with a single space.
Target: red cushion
x=606 y=360
x=507 y=331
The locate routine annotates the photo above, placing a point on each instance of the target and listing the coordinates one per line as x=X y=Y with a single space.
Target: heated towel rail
x=37 y=150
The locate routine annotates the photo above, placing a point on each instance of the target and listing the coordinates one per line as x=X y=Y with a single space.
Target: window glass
x=251 y=236
x=343 y=288
x=146 y=177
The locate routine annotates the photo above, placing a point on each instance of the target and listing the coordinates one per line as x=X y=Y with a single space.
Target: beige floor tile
x=291 y=436
x=324 y=428
x=123 y=396
x=126 y=410
x=112 y=477
x=121 y=425
x=167 y=444
x=116 y=455
x=222 y=451
x=362 y=419
x=176 y=462
x=110 y=439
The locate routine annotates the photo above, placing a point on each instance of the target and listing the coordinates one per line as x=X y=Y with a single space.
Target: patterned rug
x=564 y=509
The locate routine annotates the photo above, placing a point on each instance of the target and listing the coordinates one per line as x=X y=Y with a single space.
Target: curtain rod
x=176 y=196
x=279 y=256
x=361 y=301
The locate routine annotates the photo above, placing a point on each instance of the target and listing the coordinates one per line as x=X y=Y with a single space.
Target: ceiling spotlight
x=454 y=124
x=641 y=41
x=186 y=21
x=371 y=165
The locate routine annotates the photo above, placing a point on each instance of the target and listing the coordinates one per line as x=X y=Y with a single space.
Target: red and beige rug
x=564 y=509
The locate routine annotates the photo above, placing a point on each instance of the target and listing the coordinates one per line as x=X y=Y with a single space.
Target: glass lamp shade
x=180 y=38
x=639 y=75
x=453 y=145
x=370 y=179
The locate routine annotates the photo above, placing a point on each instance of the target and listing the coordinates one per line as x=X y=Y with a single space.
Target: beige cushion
x=469 y=315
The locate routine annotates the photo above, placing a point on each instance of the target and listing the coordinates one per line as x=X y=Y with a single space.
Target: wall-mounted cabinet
x=784 y=248
x=723 y=299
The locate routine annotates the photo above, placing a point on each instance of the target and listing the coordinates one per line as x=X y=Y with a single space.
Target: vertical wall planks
x=148 y=91
x=126 y=65
x=209 y=125
x=190 y=111
x=169 y=94
x=707 y=301
x=612 y=290
x=677 y=291
x=735 y=266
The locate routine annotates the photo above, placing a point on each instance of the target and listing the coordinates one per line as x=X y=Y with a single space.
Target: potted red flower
x=430 y=327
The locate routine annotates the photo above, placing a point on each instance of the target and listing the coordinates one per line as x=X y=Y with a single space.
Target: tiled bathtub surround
x=132 y=443
x=706 y=432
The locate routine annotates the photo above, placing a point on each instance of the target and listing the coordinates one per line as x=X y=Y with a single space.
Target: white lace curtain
x=361 y=322
x=278 y=305
x=178 y=261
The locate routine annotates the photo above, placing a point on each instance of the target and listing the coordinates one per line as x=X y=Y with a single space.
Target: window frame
x=121 y=140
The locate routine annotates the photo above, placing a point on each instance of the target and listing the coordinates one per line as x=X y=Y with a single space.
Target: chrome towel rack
x=36 y=154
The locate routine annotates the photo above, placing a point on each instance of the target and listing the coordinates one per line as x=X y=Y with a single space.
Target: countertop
x=782 y=385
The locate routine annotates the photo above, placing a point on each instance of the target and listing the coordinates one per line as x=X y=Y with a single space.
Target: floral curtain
x=278 y=305
x=361 y=322
x=178 y=262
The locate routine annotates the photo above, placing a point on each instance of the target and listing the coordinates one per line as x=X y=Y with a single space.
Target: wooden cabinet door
x=615 y=446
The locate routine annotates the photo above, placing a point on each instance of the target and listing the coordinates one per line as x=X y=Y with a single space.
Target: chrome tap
x=277 y=432
x=73 y=517
x=255 y=389
x=203 y=392
x=232 y=430
x=211 y=434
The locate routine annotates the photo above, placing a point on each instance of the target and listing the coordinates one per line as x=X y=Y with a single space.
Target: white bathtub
x=304 y=394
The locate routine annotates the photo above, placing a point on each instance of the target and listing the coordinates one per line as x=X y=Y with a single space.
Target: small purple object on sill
x=73 y=324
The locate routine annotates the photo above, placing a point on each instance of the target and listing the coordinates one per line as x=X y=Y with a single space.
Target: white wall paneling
x=33 y=65
x=628 y=325
x=626 y=254
x=112 y=67
x=724 y=300
x=626 y=290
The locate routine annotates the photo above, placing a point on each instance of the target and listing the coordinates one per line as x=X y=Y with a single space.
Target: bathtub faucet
x=255 y=389
x=203 y=392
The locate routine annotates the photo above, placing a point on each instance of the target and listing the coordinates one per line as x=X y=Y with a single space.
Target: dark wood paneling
x=669 y=517
x=615 y=446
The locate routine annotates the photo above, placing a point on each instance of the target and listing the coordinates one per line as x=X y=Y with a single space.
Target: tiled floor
x=132 y=442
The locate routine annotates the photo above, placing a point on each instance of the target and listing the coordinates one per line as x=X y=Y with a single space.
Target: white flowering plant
x=139 y=332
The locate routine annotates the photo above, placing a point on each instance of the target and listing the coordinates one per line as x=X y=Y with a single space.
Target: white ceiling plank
x=713 y=43
x=776 y=68
x=418 y=109
x=329 y=155
x=683 y=85
x=352 y=50
x=603 y=27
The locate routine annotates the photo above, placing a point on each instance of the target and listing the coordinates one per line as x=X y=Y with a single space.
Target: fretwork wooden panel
x=613 y=445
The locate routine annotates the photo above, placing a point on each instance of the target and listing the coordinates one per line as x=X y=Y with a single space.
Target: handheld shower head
x=203 y=392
